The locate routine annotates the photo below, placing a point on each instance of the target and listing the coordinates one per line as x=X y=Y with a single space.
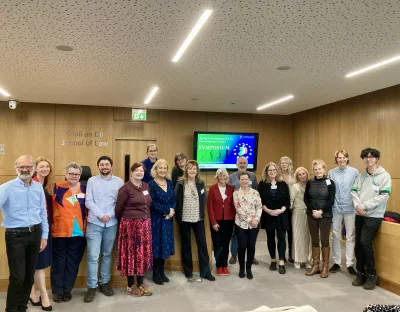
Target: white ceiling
x=123 y=48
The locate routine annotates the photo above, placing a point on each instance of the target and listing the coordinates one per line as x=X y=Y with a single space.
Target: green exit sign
x=139 y=114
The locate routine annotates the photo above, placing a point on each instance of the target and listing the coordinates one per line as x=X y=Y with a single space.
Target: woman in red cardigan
x=221 y=212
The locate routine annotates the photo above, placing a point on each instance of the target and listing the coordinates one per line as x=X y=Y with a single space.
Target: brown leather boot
x=315 y=267
x=325 y=262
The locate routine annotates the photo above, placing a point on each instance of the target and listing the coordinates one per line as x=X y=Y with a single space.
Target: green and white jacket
x=372 y=192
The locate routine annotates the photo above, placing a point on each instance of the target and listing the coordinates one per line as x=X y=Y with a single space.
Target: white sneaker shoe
x=297 y=265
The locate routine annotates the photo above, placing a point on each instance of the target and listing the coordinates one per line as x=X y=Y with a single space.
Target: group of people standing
x=52 y=223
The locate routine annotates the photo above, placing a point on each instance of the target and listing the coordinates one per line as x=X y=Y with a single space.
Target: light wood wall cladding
x=29 y=129
x=369 y=120
x=91 y=127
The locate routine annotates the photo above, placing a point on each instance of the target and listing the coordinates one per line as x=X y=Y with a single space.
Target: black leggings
x=131 y=280
x=247 y=241
x=281 y=234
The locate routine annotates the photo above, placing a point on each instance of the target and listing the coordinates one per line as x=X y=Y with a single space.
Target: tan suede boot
x=315 y=267
x=325 y=262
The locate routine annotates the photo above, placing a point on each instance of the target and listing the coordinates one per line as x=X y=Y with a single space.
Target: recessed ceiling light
x=192 y=34
x=151 y=94
x=371 y=67
x=286 y=98
x=284 y=67
x=4 y=92
x=64 y=48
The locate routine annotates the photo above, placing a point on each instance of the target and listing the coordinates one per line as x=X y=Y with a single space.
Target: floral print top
x=247 y=205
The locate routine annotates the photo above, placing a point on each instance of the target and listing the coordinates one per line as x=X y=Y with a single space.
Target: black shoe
x=290 y=260
x=49 y=308
x=249 y=274
x=335 y=268
x=241 y=272
x=282 y=269
x=255 y=261
x=272 y=266
x=164 y=278
x=371 y=282
x=89 y=296
x=106 y=289
x=360 y=280
x=35 y=304
x=66 y=296
x=157 y=279
x=58 y=297
x=351 y=270
x=210 y=277
x=233 y=259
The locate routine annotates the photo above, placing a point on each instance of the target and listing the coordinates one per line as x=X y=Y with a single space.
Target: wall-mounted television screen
x=214 y=150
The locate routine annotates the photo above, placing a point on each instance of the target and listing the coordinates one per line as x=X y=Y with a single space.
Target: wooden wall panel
x=369 y=120
x=93 y=127
x=29 y=129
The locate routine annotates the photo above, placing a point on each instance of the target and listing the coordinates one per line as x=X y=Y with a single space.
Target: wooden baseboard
x=389 y=285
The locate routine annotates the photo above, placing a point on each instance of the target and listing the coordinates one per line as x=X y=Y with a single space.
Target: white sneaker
x=308 y=265
x=297 y=265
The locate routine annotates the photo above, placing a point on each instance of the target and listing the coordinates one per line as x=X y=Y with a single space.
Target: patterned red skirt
x=134 y=252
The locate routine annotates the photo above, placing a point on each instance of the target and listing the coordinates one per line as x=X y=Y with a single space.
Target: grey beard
x=25 y=177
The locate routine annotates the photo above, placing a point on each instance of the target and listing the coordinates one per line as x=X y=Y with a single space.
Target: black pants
x=22 y=253
x=186 y=248
x=289 y=234
x=67 y=255
x=319 y=230
x=366 y=229
x=246 y=241
x=221 y=240
x=281 y=235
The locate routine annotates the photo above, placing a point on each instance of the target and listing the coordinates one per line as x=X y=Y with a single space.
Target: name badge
x=224 y=196
x=375 y=188
x=328 y=182
x=250 y=183
x=81 y=195
x=274 y=187
x=145 y=192
x=202 y=191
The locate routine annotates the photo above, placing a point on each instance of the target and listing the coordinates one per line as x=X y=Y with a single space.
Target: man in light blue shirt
x=23 y=205
x=101 y=230
x=343 y=209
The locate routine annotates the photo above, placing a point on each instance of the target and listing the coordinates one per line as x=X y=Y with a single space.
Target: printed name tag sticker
x=145 y=192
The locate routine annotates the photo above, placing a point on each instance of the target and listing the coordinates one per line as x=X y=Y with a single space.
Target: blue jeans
x=99 y=238
x=234 y=244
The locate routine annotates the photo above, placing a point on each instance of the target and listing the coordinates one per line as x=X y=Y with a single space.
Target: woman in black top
x=319 y=197
x=180 y=161
x=276 y=201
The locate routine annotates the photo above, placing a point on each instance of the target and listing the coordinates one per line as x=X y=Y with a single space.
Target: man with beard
x=23 y=205
x=101 y=230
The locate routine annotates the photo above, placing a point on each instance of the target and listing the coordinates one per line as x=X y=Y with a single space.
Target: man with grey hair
x=23 y=205
x=241 y=164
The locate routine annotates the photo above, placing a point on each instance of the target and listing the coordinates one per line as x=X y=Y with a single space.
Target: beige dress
x=301 y=234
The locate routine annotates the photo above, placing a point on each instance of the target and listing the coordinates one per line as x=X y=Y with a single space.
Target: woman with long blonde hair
x=43 y=175
x=190 y=211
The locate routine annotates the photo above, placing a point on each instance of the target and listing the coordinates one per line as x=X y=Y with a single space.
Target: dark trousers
x=281 y=235
x=319 y=230
x=186 y=248
x=246 y=241
x=67 y=255
x=289 y=234
x=221 y=241
x=22 y=253
x=366 y=229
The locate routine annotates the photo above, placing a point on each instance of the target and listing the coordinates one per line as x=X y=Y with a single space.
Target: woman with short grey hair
x=221 y=212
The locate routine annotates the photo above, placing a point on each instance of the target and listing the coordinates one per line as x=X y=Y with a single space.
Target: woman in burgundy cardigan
x=134 y=251
x=221 y=212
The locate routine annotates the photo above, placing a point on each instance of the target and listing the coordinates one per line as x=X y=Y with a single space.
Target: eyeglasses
x=271 y=170
x=369 y=157
x=179 y=159
x=153 y=151
x=73 y=174
x=25 y=167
